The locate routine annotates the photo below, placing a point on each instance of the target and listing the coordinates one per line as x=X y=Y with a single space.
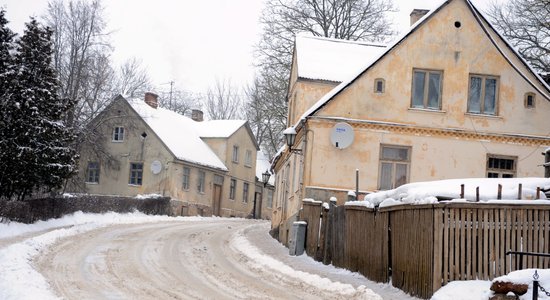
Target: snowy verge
x=260 y=261
x=19 y=280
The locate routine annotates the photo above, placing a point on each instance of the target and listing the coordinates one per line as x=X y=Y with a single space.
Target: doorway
x=216 y=201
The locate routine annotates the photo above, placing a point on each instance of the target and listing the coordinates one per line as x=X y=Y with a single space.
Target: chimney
x=417 y=14
x=152 y=99
x=197 y=115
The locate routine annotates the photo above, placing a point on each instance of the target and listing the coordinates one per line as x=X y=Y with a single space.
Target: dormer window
x=118 y=134
x=529 y=100
x=379 y=85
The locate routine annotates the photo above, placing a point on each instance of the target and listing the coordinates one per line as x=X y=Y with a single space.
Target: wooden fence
x=422 y=247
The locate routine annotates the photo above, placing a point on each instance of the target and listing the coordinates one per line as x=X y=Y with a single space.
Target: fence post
x=520 y=187
x=499 y=195
x=462 y=191
x=535 y=286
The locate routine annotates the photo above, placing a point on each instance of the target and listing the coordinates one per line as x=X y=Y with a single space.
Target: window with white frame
x=118 y=134
x=186 y=178
x=92 y=172
x=245 y=192
x=136 y=173
x=499 y=166
x=232 y=189
x=394 y=166
x=483 y=94
x=235 y=157
x=201 y=181
x=248 y=158
x=426 y=89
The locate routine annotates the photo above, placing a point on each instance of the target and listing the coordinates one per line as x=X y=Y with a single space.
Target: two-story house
x=136 y=147
x=450 y=98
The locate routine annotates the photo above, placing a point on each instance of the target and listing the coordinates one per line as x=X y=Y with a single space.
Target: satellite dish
x=341 y=135
x=156 y=167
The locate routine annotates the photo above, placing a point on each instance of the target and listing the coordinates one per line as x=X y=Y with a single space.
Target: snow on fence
x=422 y=247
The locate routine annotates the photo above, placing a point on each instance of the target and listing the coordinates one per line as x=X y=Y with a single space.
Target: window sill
x=483 y=116
x=427 y=110
x=117 y=141
x=248 y=166
x=94 y=183
x=134 y=185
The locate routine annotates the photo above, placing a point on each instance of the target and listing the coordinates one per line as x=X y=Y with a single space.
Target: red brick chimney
x=417 y=14
x=152 y=99
x=197 y=115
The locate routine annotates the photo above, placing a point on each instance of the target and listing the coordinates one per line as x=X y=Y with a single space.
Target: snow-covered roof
x=332 y=59
x=219 y=128
x=179 y=133
x=262 y=164
x=369 y=63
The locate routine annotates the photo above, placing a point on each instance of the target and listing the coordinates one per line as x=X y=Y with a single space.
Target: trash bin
x=297 y=238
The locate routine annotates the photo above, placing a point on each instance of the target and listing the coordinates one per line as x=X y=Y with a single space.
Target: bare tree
x=526 y=24
x=81 y=55
x=132 y=80
x=223 y=101
x=179 y=100
x=282 y=20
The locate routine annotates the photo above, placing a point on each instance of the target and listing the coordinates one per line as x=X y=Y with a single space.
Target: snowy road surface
x=204 y=258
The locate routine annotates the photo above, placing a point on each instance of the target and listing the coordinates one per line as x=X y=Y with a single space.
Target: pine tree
x=39 y=141
x=6 y=76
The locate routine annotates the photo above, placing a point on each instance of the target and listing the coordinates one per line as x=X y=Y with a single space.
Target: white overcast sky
x=190 y=42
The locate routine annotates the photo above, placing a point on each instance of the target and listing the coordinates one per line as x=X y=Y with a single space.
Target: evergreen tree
x=39 y=143
x=6 y=75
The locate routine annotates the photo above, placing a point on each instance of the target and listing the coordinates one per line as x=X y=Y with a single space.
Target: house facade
x=448 y=99
x=137 y=148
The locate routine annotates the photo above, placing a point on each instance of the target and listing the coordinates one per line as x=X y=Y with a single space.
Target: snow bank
x=22 y=281
x=426 y=192
x=477 y=289
x=260 y=261
x=464 y=290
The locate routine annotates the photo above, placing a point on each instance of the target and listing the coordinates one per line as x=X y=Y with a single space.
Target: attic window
x=529 y=100
x=144 y=135
x=457 y=24
x=379 y=85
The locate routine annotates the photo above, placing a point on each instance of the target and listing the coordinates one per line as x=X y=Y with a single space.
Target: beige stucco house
x=138 y=148
x=450 y=98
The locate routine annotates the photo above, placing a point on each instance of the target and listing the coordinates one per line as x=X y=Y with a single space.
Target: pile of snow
x=427 y=192
x=477 y=289
x=464 y=290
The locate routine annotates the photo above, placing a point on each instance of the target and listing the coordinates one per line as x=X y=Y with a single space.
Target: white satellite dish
x=156 y=167
x=341 y=135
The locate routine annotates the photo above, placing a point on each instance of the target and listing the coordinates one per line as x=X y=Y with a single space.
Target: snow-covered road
x=183 y=258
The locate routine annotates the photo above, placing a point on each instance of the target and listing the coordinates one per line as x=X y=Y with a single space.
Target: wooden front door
x=216 y=201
